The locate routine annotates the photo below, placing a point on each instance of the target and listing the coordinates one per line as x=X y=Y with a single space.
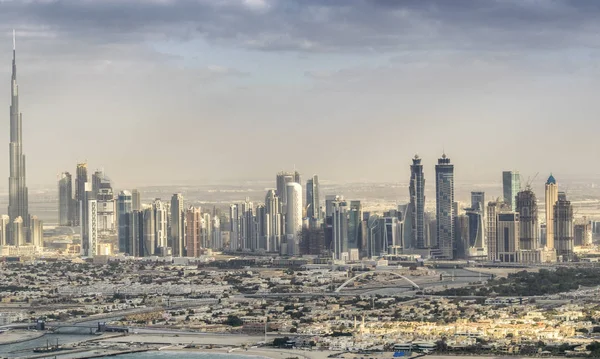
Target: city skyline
x=261 y=81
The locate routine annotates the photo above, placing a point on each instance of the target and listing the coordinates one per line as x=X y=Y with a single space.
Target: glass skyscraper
x=417 y=205
x=511 y=185
x=444 y=199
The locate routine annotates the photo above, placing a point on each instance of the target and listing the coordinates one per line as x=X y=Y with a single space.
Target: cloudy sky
x=201 y=91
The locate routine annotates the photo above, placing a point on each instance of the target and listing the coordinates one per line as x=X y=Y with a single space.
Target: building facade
x=417 y=205
x=444 y=191
x=65 y=199
x=511 y=185
x=551 y=196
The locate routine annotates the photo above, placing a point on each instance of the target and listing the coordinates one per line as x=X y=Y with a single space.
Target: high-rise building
x=4 y=230
x=583 y=233
x=417 y=205
x=563 y=227
x=161 y=225
x=493 y=209
x=339 y=225
x=528 y=220
x=355 y=216
x=507 y=236
x=65 y=199
x=106 y=206
x=193 y=217
x=36 y=230
x=136 y=233
x=293 y=218
x=217 y=239
x=444 y=199
x=148 y=242
x=177 y=240
x=274 y=219
x=136 y=200
x=18 y=201
x=511 y=185
x=97 y=178
x=89 y=223
x=551 y=198
x=80 y=181
x=247 y=226
x=282 y=179
x=478 y=200
x=17 y=232
x=234 y=227
x=262 y=227
x=313 y=203
x=124 y=209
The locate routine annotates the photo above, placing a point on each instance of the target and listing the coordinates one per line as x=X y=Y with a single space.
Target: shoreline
x=34 y=336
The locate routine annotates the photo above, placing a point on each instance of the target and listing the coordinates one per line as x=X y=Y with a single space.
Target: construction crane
x=530 y=180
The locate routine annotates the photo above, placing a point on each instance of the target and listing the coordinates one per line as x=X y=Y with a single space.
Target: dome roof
x=551 y=180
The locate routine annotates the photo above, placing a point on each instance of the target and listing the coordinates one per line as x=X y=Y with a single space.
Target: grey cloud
x=321 y=25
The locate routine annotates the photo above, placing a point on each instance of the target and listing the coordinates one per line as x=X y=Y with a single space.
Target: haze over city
x=168 y=92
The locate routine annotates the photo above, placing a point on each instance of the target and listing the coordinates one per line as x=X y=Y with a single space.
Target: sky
x=208 y=91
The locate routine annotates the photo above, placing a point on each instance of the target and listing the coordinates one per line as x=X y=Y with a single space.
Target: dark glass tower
x=17 y=187
x=444 y=200
x=417 y=204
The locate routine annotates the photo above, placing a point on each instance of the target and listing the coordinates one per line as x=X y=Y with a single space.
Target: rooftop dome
x=551 y=180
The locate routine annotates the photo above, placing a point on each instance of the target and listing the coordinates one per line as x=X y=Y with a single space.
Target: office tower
x=283 y=178
x=97 y=178
x=390 y=232
x=563 y=227
x=373 y=232
x=493 y=209
x=551 y=198
x=339 y=227
x=476 y=245
x=65 y=199
x=462 y=237
x=148 y=233
x=262 y=227
x=217 y=239
x=124 y=209
x=18 y=202
x=80 y=180
x=136 y=199
x=234 y=227
x=177 y=240
x=247 y=226
x=582 y=233
x=206 y=231
x=36 y=231
x=478 y=200
x=136 y=233
x=161 y=228
x=417 y=205
x=511 y=185
x=17 y=232
x=4 y=230
x=89 y=222
x=313 y=209
x=444 y=199
x=193 y=217
x=507 y=234
x=106 y=206
x=293 y=218
x=355 y=215
x=275 y=222
x=528 y=220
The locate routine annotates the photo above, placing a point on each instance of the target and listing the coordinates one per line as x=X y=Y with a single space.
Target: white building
x=293 y=217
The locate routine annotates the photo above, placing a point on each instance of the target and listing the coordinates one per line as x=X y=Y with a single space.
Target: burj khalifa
x=18 y=205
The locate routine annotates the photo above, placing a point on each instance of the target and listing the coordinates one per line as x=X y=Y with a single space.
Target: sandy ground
x=183 y=339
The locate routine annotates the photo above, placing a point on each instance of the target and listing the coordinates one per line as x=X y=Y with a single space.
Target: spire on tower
x=14 y=40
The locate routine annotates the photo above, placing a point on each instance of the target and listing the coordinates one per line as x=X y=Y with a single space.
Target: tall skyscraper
x=551 y=198
x=234 y=227
x=97 y=178
x=355 y=216
x=293 y=218
x=274 y=219
x=526 y=203
x=177 y=240
x=80 y=180
x=124 y=209
x=283 y=178
x=247 y=226
x=217 y=239
x=478 y=200
x=511 y=185
x=89 y=223
x=18 y=201
x=339 y=226
x=313 y=209
x=493 y=209
x=4 y=230
x=136 y=199
x=417 y=205
x=149 y=233
x=444 y=199
x=563 y=227
x=193 y=217
x=65 y=199
x=161 y=224
x=106 y=206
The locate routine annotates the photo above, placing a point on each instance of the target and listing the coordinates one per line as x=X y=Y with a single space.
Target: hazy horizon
x=161 y=92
